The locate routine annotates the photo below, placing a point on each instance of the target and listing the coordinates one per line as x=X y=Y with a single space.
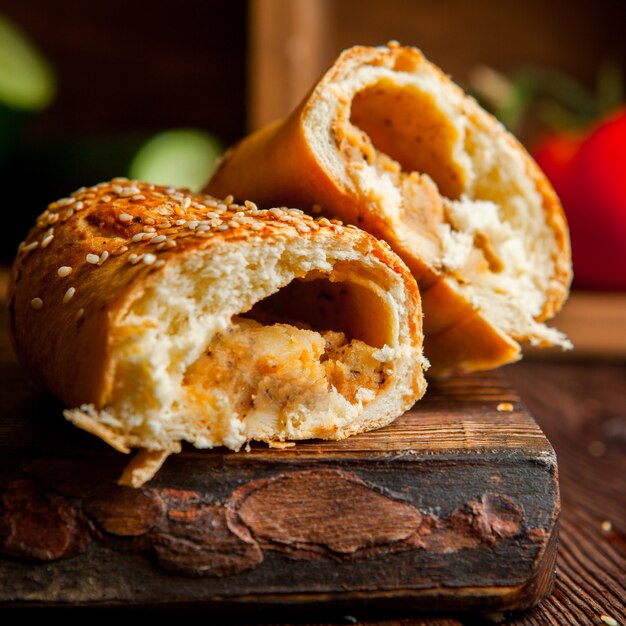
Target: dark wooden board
x=453 y=506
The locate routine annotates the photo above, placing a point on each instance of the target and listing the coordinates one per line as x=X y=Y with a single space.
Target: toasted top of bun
x=159 y=316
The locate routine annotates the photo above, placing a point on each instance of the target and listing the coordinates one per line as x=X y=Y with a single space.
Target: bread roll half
x=387 y=142
x=160 y=317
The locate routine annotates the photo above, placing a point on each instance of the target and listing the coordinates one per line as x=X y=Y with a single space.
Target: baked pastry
x=387 y=142
x=164 y=317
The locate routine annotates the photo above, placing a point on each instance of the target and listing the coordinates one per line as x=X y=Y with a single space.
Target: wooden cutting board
x=454 y=506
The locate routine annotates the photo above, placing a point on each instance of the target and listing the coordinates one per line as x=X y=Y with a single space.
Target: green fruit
x=26 y=80
x=180 y=158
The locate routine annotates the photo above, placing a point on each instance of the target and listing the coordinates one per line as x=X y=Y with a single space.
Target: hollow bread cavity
x=277 y=342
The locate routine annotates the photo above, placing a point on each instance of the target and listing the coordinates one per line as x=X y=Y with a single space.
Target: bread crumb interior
x=286 y=351
x=466 y=204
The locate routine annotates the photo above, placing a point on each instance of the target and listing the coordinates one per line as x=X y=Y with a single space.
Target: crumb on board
x=607 y=619
x=281 y=445
x=504 y=406
x=606 y=526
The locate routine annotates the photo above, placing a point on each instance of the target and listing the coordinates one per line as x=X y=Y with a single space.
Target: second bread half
x=386 y=141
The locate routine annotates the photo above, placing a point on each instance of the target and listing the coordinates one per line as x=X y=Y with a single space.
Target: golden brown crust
x=91 y=255
x=296 y=161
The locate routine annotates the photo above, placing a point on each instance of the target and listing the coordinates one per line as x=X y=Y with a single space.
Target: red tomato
x=554 y=155
x=590 y=178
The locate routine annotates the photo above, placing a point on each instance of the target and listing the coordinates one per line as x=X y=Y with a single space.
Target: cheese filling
x=270 y=373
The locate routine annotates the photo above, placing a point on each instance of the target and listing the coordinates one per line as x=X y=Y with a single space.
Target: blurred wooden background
x=301 y=38
x=230 y=65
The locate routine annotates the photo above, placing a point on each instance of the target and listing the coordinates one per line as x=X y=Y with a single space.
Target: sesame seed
x=79 y=314
x=68 y=214
x=46 y=241
x=229 y=199
x=92 y=258
x=161 y=245
x=220 y=206
x=170 y=243
x=125 y=217
x=36 y=303
x=107 y=198
x=64 y=202
x=163 y=225
x=31 y=246
x=192 y=224
x=303 y=228
x=223 y=227
x=186 y=203
x=53 y=218
x=323 y=221
x=233 y=223
x=275 y=212
x=120 y=250
x=79 y=206
x=149 y=258
x=150 y=220
x=180 y=222
x=160 y=263
x=135 y=258
x=69 y=294
x=149 y=229
x=64 y=270
x=203 y=227
x=352 y=226
x=137 y=237
x=159 y=239
x=212 y=215
x=138 y=197
x=79 y=191
x=103 y=257
x=251 y=205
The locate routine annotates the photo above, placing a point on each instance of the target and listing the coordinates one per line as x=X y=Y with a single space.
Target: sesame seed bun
x=386 y=141
x=158 y=316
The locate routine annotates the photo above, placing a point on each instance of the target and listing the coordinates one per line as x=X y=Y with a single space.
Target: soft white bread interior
x=164 y=317
x=386 y=141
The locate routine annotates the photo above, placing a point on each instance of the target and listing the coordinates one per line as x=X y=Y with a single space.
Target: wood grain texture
x=455 y=503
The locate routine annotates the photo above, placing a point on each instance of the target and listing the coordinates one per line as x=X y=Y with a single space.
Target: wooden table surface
x=581 y=406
